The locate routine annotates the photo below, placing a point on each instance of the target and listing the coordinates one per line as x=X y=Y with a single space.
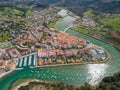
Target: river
x=76 y=75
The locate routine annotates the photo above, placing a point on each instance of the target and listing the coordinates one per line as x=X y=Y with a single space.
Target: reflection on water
x=96 y=72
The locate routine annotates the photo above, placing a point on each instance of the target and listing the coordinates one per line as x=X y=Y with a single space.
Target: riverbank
x=9 y=72
x=5 y=73
x=43 y=85
x=26 y=82
x=21 y=83
x=107 y=83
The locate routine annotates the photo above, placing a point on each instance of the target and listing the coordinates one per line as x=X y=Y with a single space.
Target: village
x=39 y=46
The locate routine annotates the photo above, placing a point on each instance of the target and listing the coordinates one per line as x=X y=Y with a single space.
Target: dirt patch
x=115 y=34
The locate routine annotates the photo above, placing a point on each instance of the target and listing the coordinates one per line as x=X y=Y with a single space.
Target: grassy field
x=52 y=24
x=19 y=10
x=111 y=22
x=82 y=30
x=89 y=14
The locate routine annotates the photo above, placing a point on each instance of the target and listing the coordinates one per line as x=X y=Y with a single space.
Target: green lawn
x=1 y=41
x=112 y=22
x=12 y=12
x=28 y=13
x=5 y=36
x=82 y=30
x=52 y=24
x=89 y=14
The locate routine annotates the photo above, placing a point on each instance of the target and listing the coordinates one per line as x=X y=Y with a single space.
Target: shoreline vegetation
x=107 y=83
x=22 y=82
x=47 y=85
